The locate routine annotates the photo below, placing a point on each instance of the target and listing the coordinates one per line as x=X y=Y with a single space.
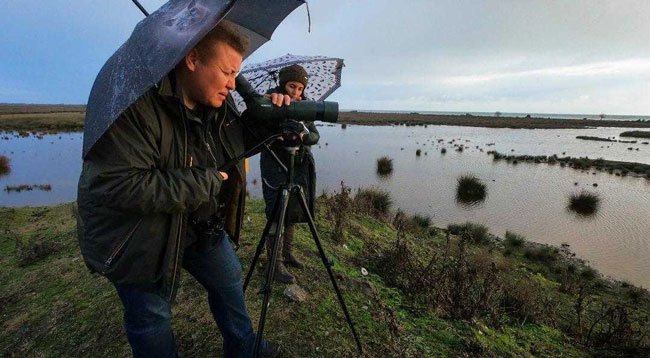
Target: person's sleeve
x=127 y=175
x=313 y=136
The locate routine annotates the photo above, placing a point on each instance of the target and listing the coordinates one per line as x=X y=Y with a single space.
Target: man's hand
x=224 y=175
x=279 y=99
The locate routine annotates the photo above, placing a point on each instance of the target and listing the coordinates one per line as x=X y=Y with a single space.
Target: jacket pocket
x=120 y=248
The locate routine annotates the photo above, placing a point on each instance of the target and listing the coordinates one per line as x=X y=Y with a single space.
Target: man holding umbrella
x=151 y=199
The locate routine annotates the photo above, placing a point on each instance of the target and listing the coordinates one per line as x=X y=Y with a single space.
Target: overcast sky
x=573 y=56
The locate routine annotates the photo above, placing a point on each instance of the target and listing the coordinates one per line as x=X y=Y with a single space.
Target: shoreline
x=70 y=118
x=468 y=120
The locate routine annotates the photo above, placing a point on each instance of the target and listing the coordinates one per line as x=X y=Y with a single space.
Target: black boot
x=270 y=350
x=287 y=249
x=281 y=273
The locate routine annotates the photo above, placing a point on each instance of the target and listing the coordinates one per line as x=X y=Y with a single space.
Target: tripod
x=278 y=216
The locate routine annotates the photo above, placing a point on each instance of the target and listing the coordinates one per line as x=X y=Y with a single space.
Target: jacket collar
x=166 y=86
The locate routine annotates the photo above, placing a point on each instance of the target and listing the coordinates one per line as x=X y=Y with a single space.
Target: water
x=54 y=159
x=528 y=199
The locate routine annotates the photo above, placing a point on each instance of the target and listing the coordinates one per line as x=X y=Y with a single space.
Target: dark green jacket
x=134 y=205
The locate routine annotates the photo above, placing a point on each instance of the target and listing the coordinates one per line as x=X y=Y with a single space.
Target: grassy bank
x=429 y=292
x=64 y=118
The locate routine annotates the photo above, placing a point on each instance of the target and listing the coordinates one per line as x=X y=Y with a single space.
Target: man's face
x=211 y=77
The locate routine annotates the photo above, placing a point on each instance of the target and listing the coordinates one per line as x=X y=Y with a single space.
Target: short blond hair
x=225 y=31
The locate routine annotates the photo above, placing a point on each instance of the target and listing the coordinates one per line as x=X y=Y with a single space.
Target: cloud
x=623 y=68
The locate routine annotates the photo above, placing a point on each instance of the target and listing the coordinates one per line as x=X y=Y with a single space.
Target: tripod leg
x=326 y=262
x=280 y=211
x=260 y=245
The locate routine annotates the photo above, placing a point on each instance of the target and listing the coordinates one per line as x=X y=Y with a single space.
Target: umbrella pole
x=137 y=3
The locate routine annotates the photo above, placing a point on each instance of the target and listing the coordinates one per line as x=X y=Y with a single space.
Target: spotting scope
x=263 y=109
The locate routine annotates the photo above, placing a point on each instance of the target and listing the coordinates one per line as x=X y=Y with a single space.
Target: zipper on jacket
x=225 y=148
x=208 y=147
x=119 y=247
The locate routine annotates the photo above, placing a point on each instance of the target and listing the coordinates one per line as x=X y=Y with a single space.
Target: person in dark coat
x=292 y=81
x=148 y=209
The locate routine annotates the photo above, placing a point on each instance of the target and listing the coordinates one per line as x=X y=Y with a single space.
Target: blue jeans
x=147 y=316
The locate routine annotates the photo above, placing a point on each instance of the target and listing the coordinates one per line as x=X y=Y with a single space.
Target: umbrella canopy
x=324 y=75
x=160 y=41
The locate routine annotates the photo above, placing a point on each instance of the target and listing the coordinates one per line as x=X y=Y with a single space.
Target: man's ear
x=191 y=59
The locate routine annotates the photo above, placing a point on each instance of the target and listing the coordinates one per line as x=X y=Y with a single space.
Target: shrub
x=584 y=203
x=465 y=285
x=521 y=301
x=418 y=152
x=476 y=233
x=340 y=207
x=470 y=190
x=36 y=248
x=402 y=222
x=396 y=264
x=384 y=166
x=422 y=221
x=617 y=328
x=373 y=201
x=4 y=165
x=513 y=240
x=543 y=253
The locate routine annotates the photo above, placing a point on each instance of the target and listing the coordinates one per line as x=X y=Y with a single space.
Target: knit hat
x=293 y=73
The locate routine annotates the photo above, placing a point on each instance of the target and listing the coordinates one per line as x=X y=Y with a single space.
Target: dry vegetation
x=412 y=290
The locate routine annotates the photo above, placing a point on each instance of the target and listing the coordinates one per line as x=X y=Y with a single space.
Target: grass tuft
x=5 y=168
x=513 y=240
x=584 y=203
x=374 y=201
x=384 y=166
x=476 y=233
x=470 y=190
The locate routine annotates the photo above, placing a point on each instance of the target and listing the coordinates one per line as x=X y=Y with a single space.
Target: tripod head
x=292 y=132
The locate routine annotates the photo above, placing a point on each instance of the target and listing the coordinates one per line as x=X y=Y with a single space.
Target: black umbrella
x=160 y=41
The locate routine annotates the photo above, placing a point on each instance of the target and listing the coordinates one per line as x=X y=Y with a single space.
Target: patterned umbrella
x=324 y=75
